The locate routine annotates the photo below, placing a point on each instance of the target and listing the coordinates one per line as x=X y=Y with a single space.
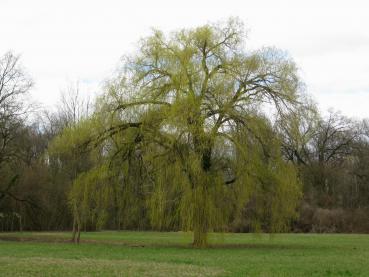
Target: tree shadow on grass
x=161 y=244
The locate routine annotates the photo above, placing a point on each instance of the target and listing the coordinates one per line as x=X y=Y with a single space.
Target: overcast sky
x=64 y=41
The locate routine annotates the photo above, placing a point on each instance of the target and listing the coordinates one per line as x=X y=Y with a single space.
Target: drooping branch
x=141 y=103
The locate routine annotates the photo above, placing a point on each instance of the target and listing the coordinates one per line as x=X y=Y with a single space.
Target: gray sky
x=65 y=41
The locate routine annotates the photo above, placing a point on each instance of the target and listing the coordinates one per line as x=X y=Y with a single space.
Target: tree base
x=200 y=240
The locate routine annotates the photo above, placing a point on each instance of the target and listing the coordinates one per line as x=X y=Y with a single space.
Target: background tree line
x=193 y=133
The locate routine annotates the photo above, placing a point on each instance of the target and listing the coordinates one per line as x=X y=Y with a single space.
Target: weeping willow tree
x=180 y=139
x=188 y=107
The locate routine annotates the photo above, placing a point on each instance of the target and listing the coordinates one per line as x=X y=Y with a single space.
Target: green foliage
x=179 y=129
x=91 y=193
x=74 y=139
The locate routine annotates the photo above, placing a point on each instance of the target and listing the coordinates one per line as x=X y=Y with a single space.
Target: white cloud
x=83 y=40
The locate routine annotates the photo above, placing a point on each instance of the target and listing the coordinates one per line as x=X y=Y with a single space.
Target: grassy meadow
x=170 y=254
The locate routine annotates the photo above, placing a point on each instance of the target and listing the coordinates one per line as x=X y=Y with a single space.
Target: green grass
x=170 y=254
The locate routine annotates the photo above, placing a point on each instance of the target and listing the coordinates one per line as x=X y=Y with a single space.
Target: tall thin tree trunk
x=76 y=225
x=78 y=231
x=74 y=229
x=20 y=224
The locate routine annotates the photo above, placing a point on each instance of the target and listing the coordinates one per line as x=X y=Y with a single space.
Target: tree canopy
x=187 y=112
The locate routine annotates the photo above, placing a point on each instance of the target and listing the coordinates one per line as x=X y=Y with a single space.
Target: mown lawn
x=170 y=254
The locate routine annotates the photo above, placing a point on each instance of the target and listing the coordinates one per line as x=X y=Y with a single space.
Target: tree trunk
x=74 y=229
x=200 y=237
x=20 y=224
x=200 y=220
x=78 y=232
x=76 y=225
x=201 y=183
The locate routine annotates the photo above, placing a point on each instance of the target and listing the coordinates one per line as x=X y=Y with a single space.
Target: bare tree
x=14 y=87
x=334 y=138
x=73 y=106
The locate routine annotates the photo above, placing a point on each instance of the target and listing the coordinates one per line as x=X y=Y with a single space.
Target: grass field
x=170 y=254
